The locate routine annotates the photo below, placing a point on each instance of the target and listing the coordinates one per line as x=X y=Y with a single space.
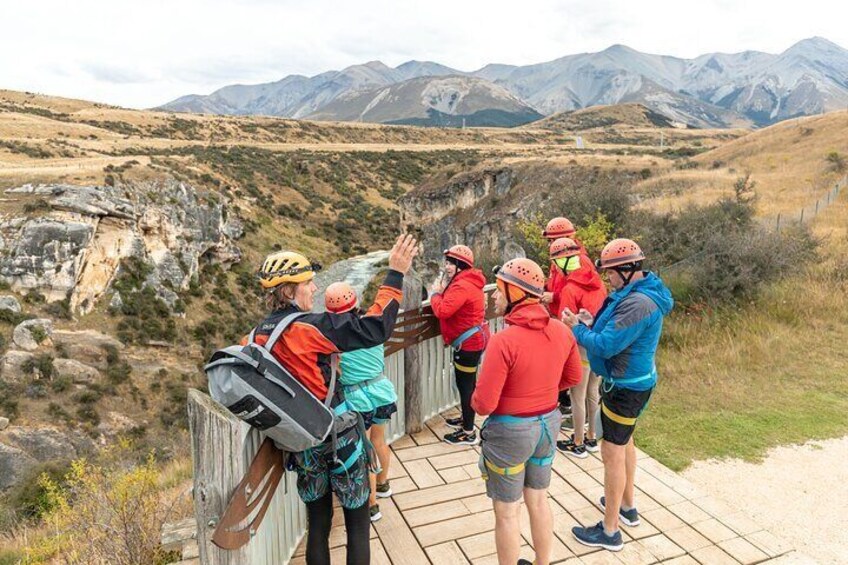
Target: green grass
x=734 y=383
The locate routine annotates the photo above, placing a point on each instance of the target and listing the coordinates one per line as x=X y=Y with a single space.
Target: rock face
x=87 y=346
x=29 y=334
x=79 y=373
x=10 y=303
x=74 y=251
x=22 y=448
x=12 y=367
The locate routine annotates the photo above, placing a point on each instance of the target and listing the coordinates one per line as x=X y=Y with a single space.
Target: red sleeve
x=493 y=373
x=566 y=299
x=572 y=371
x=448 y=303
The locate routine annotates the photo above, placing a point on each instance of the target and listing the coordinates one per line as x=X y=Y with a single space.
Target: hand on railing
x=402 y=254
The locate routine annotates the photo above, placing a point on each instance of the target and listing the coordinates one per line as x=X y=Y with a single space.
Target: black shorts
x=620 y=407
x=379 y=416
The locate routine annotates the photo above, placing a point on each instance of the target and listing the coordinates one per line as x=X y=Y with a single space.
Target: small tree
x=837 y=161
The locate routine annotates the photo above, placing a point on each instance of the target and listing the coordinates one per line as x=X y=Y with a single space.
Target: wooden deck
x=440 y=514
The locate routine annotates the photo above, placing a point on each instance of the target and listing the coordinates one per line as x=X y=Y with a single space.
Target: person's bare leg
x=593 y=397
x=378 y=439
x=614 y=482
x=541 y=524
x=507 y=531
x=629 y=499
x=578 y=407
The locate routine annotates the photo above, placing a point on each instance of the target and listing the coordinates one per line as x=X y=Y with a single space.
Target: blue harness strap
x=610 y=382
x=457 y=343
x=348 y=463
x=540 y=461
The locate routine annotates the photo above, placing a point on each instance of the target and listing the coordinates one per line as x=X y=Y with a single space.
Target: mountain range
x=712 y=90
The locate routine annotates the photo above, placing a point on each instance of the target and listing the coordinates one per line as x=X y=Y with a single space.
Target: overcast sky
x=144 y=53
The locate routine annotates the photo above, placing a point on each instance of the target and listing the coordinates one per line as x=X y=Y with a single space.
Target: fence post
x=778 y=221
x=802 y=215
x=816 y=213
x=412 y=298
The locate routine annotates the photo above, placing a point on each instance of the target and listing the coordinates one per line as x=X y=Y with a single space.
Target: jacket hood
x=473 y=277
x=653 y=287
x=585 y=278
x=532 y=316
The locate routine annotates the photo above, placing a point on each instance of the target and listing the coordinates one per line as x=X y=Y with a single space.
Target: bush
x=41 y=365
x=29 y=497
x=107 y=513
x=837 y=161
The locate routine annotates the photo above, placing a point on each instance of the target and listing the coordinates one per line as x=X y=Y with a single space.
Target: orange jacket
x=583 y=288
x=527 y=364
x=305 y=347
x=556 y=279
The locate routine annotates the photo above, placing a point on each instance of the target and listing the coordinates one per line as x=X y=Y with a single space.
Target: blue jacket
x=622 y=343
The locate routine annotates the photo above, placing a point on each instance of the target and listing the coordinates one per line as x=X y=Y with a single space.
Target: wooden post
x=412 y=298
x=217 y=441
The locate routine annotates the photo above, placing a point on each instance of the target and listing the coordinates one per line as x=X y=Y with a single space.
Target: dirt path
x=800 y=493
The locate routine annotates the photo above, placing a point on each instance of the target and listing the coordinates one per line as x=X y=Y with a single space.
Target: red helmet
x=339 y=298
x=523 y=274
x=564 y=247
x=559 y=227
x=619 y=252
x=461 y=253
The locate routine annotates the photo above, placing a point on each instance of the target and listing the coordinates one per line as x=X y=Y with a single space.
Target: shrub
x=107 y=513
x=41 y=365
x=29 y=497
x=837 y=161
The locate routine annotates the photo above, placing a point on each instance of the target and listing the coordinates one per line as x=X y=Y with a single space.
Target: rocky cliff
x=74 y=248
x=482 y=208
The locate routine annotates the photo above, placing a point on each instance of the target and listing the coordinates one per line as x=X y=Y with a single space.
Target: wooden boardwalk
x=440 y=514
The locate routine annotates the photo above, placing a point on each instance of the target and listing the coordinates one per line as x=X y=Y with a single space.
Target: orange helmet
x=461 y=253
x=523 y=274
x=564 y=247
x=559 y=227
x=620 y=252
x=339 y=298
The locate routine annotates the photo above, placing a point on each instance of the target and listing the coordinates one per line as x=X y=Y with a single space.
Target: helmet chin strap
x=628 y=273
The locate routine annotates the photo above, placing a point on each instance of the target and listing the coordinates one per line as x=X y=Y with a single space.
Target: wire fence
x=777 y=222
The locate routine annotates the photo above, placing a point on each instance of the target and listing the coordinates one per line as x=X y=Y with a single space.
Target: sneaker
x=627 y=517
x=524 y=562
x=591 y=445
x=565 y=410
x=461 y=437
x=375 y=512
x=384 y=490
x=455 y=423
x=567 y=423
x=570 y=448
x=594 y=536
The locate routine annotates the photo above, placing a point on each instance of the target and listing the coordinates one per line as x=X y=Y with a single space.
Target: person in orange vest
x=525 y=366
x=458 y=301
x=583 y=291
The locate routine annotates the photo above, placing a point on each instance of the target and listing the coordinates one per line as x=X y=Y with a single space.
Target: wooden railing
x=417 y=363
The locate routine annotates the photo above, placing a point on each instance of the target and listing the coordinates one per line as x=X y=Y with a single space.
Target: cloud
x=143 y=54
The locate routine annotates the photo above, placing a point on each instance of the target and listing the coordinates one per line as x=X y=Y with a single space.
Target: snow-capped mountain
x=715 y=89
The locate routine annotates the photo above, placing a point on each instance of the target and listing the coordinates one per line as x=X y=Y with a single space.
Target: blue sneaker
x=627 y=517
x=595 y=537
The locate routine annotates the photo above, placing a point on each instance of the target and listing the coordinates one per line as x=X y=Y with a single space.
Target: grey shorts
x=517 y=454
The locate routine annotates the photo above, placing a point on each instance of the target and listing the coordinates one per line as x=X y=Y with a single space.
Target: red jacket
x=583 y=288
x=556 y=279
x=526 y=365
x=461 y=306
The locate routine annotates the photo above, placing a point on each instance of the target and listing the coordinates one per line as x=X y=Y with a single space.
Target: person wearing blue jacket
x=621 y=343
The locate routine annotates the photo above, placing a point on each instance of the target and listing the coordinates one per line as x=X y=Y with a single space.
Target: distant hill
x=712 y=90
x=636 y=115
x=432 y=101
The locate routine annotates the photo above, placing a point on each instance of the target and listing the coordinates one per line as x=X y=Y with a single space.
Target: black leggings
x=465 y=372
x=357 y=523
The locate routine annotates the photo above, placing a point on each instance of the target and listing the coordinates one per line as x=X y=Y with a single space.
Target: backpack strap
x=279 y=329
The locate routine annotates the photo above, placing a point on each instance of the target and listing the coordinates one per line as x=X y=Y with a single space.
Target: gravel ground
x=799 y=493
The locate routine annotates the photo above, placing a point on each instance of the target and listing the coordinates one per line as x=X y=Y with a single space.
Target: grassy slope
x=739 y=381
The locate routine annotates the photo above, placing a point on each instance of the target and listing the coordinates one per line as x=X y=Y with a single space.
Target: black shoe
x=524 y=562
x=375 y=513
x=565 y=410
x=570 y=448
x=461 y=437
x=455 y=423
x=591 y=445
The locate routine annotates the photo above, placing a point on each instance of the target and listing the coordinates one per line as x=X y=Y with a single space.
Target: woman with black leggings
x=340 y=465
x=459 y=303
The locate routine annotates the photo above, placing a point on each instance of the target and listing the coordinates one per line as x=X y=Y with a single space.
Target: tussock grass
x=740 y=380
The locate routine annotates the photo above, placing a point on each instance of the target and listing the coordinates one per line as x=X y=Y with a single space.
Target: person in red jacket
x=459 y=303
x=525 y=367
x=583 y=291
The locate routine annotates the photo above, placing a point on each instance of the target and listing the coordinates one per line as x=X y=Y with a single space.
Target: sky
x=141 y=54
